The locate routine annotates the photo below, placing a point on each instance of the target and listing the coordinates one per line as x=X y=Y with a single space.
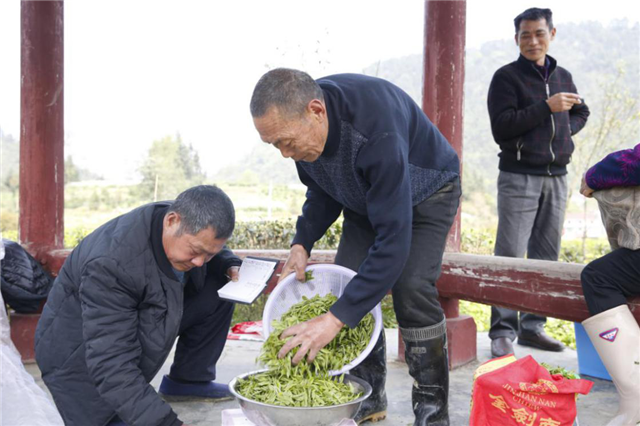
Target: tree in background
x=11 y=183
x=71 y=172
x=614 y=124
x=9 y=171
x=75 y=173
x=171 y=167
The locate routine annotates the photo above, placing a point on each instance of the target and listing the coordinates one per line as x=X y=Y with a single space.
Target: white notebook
x=253 y=277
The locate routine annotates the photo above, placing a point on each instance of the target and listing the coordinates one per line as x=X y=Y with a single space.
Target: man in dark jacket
x=365 y=149
x=534 y=109
x=120 y=300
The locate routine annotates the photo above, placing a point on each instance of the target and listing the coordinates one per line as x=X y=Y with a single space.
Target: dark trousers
x=609 y=280
x=415 y=297
x=530 y=217
x=203 y=333
x=202 y=336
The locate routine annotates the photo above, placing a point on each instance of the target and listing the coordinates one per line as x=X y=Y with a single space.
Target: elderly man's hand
x=563 y=101
x=311 y=336
x=584 y=188
x=297 y=262
x=233 y=273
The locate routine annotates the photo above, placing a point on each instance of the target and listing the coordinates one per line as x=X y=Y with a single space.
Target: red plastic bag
x=510 y=392
x=249 y=330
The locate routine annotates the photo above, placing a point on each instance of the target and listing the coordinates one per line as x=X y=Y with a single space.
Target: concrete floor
x=239 y=357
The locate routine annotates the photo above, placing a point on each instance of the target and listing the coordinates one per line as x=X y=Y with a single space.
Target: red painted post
x=443 y=90
x=41 y=227
x=442 y=101
x=23 y=331
x=42 y=127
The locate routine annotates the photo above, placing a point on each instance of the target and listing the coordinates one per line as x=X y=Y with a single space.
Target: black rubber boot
x=428 y=361
x=373 y=370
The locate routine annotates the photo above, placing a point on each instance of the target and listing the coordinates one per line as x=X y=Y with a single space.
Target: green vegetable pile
x=567 y=374
x=307 y=384
x=308 y=390
x=344 y=348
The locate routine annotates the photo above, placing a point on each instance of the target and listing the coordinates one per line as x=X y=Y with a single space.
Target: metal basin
x=263 y=414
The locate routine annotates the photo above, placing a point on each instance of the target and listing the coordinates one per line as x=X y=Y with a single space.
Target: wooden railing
x=539 y=286
x=546 y=288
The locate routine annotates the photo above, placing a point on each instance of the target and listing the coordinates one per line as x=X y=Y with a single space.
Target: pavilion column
x=443 y=78
x=443 y=101
x=41 y=226
x=41 y=127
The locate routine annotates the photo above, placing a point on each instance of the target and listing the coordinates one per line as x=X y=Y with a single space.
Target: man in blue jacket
x=120 y=300
x=364 y=149
x=534 y=109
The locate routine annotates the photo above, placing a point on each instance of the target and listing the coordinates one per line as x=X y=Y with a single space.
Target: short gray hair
x=202 y=207
x=287 y=89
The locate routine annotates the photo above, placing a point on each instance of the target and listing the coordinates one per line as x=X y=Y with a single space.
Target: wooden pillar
x=443 y=101
x=443 y=78
x=41 y=226
x=41 y=127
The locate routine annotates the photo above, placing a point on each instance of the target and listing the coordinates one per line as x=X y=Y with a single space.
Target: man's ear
x=171 y=221
x=516 y=39
x=317 y=108
x=553 y=33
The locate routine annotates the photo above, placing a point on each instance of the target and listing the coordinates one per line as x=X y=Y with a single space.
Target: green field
x=266 y=219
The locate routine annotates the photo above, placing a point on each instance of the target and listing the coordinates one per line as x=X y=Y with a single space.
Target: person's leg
x=203 y=333
x=609 y=280
x=518 y=196
x=357 y=237
x=612 y=329
x=420 y=317
x=544 y=244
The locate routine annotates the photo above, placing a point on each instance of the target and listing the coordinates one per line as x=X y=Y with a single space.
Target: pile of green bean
x=297 y=391
x=344 y=348
x=307 y=384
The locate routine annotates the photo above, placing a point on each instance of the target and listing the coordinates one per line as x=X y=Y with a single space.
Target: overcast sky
x=138 y=70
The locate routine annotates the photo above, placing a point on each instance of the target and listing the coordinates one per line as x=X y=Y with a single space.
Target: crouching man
x=123 y=296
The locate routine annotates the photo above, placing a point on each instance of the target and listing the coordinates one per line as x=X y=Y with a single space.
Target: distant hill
x=590 y=51
x=263 y=164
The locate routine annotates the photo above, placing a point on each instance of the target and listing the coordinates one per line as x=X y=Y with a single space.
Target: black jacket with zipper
x=111 y=319
x=532 y=139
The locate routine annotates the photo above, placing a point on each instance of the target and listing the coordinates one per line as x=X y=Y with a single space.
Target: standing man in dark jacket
x=123 y=296
x=534 y=109
x=365 y=149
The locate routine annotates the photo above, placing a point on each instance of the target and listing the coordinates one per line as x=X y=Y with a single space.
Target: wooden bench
x=546 y=288
x=543 y=287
